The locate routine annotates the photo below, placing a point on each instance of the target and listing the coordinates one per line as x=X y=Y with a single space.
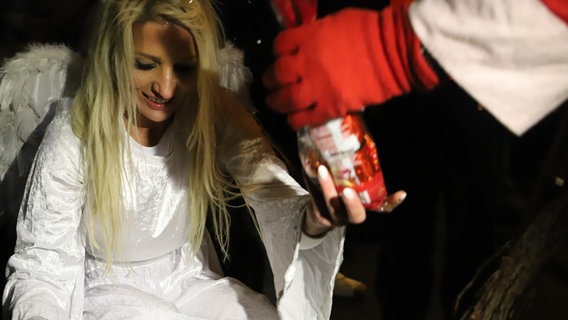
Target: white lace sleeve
x=303 y=279
x=510 y=55
x=45 y=274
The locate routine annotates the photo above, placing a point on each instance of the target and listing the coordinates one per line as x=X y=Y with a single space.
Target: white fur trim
x=510 y=55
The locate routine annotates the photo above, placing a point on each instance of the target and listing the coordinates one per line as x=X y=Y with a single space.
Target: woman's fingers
x=355 y=210
x=333 y=209
x=343 y=209
x=393 y=201
x=331 y=197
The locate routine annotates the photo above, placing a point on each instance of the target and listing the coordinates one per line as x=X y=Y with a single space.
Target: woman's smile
x=157 y=103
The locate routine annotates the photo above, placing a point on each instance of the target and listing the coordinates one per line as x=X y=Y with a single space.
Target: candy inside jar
x=345 y=147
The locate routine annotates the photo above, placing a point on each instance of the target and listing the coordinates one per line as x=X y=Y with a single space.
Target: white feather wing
x=29 y=83
x=233 y=74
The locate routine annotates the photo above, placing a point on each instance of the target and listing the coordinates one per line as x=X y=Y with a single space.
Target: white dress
x=55 y=274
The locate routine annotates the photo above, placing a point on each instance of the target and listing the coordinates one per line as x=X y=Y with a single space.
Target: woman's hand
x=331 y=209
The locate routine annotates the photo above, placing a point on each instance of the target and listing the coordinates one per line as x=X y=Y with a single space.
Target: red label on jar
x=350 y=154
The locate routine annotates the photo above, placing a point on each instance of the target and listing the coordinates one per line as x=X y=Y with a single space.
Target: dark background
x=472 y=185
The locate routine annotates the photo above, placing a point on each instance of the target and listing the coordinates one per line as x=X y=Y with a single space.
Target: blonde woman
x=113 y=220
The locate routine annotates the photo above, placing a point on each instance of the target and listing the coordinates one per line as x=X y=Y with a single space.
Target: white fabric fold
x=53 y=275
x=509 y=55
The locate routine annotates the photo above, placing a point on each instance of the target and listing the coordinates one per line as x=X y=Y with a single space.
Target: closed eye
x=144 y=66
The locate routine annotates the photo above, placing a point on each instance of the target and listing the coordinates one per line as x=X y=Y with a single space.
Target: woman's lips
x=157 y=103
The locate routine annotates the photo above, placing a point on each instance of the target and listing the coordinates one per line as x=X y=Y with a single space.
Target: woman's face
x=165 y=70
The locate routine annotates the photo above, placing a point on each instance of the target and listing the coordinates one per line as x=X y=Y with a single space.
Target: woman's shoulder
x=59 y=129
x=52 y=143
x=235 y=112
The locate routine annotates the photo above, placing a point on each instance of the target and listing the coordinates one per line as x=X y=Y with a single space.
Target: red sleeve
x=558 y=7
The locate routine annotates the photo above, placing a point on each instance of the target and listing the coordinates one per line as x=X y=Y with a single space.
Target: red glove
x=344 y=62
x=558 y=7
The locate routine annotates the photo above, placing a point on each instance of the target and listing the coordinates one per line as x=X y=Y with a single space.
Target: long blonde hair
x=107 y=96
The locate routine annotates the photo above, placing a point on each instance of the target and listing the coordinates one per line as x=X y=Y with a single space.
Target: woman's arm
x=280 y=205
x=45 y=274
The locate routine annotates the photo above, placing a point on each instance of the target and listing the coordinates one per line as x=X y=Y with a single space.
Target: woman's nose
x=165 y=86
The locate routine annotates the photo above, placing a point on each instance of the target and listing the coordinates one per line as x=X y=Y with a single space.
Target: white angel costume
x=55 y=274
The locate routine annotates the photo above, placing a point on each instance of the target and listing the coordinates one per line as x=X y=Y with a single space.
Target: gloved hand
x=344 y=62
